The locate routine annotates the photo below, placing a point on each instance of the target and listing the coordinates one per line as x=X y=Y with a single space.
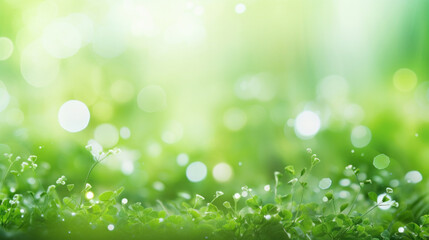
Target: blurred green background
x=243 y=88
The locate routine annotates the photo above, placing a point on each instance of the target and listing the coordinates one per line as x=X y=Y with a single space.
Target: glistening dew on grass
x=288 y=208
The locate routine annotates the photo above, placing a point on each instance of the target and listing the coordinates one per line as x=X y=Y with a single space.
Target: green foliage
x=64 y=214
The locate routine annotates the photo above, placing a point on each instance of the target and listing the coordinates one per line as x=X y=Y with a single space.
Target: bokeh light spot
x=325 y=183
x=381 y=161
x=307 y=124
x=125 y=132
x=413 y=177
x=196 y=172
x=222 y=172
x=61 y=39
x=361 y=136
x=182 y=159
x=384 y=205
x=73 y=116
x=107 y=135
x=152 y=99
x=38 y=68
x=6 y=48
x=234 y=119
x=240 y=8
x=404 y=80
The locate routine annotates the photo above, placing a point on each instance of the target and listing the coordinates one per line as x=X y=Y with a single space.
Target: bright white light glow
x=384 y=205
x=307 y=124
x=89 y=195
x=110 y=227
x=267 y=188
x=196 y=171
x=413 y=177
x=240 y=8
x=73 y=116
x=222 y=172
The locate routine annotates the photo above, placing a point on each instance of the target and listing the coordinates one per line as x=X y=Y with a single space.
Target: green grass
x=289 y=209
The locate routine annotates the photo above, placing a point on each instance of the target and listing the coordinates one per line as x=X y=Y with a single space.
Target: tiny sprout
x=245 y=188
x=51 y=188
x=329 y=195
x=236 y=196
x=395 y=204
x=24 y=165
x=368 y=181
x=115 y=151
x=198 y=196
x=32 y=158
x=227 y=204
x=89 y=147
x=87 y=187
x=290 y=169
x=219 y=193
x=70 y=187
x=389 y=190
x=315 y=161
x=385 y=199
x=309 y=151
x=293 y=181
x=303 y=171
x=62 y=180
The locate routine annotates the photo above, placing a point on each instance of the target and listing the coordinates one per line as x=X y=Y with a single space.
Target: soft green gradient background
x=291 y=45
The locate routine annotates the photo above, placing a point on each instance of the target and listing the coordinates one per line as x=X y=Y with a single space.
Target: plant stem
x=6 y=173
x=354 y=200
x=86 y=180
x=333 y=205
